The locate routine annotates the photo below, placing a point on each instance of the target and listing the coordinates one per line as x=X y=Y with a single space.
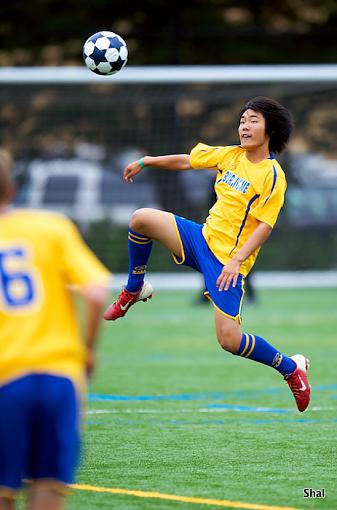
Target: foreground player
x=43 y=362
x=250 y=187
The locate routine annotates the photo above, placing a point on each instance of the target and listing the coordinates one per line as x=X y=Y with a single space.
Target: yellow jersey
x=41 y=255
x=247 y=193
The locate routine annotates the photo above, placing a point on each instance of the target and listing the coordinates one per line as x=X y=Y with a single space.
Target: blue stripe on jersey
x=250 y=203
x=273 y=186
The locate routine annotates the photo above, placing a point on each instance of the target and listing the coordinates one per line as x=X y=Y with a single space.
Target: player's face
x=252 y=130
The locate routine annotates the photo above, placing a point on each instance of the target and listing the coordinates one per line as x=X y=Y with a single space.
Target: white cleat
x=146 y=292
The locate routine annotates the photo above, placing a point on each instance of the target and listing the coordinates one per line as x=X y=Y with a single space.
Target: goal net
x=72 y=133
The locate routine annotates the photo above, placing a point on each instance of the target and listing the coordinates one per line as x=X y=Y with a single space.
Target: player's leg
x=15 y=408
x=250 y=346
x=41 y=498
x=7 y=503
x=157 y=225
x=258 y=349
x=228 y=332
x=145 y=225
x=54 y=451
x=227 y=321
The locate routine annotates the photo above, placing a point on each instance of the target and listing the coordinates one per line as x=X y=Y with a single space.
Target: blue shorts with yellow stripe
x=39 y=432
x=196 y=254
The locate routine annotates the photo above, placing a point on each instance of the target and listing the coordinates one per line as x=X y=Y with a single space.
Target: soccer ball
x=105 y=53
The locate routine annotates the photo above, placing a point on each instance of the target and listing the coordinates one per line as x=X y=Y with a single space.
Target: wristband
x=141 y=163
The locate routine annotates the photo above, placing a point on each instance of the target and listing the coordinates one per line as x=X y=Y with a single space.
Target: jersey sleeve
x=204 y=156
x=271 y=198
x=79 y=264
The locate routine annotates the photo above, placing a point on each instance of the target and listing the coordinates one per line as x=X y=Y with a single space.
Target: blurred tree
x=51 y=32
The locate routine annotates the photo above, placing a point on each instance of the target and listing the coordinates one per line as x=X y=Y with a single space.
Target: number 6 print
x=18 y=287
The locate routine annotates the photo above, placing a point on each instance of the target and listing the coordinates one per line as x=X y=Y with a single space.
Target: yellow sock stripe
x=140 y=237
x=252 y=347
x=184 y=499
x=139 y=242
x=246 y=345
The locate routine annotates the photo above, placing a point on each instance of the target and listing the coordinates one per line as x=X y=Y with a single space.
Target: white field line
x=201 y=410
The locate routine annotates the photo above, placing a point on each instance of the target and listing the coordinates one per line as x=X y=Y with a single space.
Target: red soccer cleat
x=125 y=300
x=298 y=382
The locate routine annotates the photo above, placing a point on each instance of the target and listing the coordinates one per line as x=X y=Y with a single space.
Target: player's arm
x=95 y=297
x=170 y=162
x=230 y=272
x=85 y=275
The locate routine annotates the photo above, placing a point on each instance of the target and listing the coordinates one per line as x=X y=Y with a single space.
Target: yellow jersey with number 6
x=247 y=194
x=41 y=255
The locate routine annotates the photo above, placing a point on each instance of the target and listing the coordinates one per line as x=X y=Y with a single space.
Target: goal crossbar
x=173 y=74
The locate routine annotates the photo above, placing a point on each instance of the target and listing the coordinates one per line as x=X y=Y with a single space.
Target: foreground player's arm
x=95 y=297
x=230 y=272
x=87 y=276
x=170 y=162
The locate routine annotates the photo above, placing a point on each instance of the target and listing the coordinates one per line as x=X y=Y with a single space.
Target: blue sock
x=256 y=348
x=139 y=247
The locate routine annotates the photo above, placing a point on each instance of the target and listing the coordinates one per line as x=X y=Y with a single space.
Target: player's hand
x=229 y=275
x=131 y=170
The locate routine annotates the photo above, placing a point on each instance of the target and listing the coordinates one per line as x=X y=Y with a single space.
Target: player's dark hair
x=5 y=173
x=279 y=123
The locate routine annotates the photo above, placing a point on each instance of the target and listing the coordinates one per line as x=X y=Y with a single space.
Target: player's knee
x=229 y=340
x=139 y=220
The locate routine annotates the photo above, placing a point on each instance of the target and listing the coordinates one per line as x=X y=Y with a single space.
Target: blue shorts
x=39 y=431
x=196 y=254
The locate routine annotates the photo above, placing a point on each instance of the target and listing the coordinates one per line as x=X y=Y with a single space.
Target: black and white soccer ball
x=105 y=53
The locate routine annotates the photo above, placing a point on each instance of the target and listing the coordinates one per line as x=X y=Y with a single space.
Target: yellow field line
x=185 y=499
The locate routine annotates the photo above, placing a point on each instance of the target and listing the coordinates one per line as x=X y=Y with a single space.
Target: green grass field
x=172 y=413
